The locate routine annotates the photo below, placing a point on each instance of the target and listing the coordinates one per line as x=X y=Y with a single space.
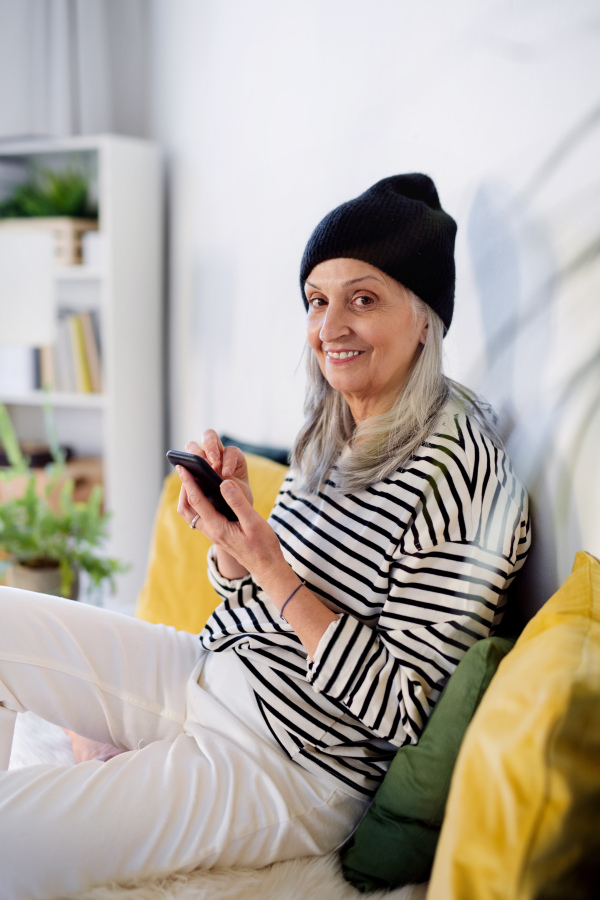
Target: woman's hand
x=249 y=545
x=228 y=462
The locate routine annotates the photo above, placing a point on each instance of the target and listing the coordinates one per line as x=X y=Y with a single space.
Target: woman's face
x=363 y=330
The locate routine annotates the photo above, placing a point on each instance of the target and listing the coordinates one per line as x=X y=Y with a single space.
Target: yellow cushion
x=519 y=821
x=177 y=590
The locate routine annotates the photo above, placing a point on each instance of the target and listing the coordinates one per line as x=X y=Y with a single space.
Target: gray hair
x=386 y=442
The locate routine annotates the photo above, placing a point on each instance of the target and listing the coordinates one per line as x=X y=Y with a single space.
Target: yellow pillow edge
x=456 y=872
x=154 y=602
x=553 y=611
x=568 y=773
x=562 y=771
x=157 y=601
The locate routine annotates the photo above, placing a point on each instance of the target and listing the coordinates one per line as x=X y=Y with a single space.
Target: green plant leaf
x=49 y=193
x=51 y=431
x=67 y=576
x=9 y=441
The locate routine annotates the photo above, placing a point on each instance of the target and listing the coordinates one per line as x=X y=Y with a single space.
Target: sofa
x=500 y=798
x=502 y=793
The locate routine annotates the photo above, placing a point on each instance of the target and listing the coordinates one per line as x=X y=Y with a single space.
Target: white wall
x=271 y=113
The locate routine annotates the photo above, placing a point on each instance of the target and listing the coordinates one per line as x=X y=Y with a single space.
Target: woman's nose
x=334 y=325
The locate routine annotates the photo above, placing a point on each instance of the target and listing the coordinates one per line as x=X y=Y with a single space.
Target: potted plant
x=55 y=201
x=48 y=543
x=49 y=194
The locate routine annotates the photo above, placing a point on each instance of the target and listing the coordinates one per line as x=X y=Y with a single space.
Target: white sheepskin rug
x=312 y=878
x=300 y=879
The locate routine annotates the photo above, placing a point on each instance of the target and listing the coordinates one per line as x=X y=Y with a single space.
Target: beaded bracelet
x=281 y=616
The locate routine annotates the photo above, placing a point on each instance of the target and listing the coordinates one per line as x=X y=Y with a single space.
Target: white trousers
x=198 y=786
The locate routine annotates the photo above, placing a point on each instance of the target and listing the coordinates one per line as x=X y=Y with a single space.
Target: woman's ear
x=423 y=334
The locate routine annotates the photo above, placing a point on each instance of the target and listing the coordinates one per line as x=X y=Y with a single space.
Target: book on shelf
x=17 y=369
x=64 y=363
x=73 y=363
x=92 y=351
x=47 y=366
x=82 y=374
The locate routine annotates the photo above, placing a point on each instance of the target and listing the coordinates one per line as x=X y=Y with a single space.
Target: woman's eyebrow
x=362 y=278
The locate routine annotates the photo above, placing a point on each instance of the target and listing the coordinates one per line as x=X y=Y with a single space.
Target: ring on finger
x=194 y=520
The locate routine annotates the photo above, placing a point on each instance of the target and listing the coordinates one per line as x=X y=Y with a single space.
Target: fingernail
x=228 y=489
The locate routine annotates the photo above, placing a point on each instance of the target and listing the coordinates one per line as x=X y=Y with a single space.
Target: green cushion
x=395 y=843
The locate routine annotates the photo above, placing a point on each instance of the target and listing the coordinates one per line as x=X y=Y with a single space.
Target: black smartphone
x=206 y=478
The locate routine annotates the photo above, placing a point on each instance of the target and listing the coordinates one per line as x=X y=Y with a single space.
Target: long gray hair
x=386 y=442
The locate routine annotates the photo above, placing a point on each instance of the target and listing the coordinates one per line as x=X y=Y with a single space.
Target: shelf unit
x=78 y=273
x=56 y=398
x=124 y=424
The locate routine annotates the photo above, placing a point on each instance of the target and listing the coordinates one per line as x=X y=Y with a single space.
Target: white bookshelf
x=123 y=425
x=78 y=273
x=57 y=399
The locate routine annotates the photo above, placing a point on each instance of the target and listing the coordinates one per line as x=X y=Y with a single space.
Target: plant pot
x=68 y=233
x=43 y=580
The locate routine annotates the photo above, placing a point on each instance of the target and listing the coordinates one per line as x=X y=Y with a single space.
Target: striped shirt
x=417 y=566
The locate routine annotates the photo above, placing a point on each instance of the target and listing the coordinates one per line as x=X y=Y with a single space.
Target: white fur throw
x=302 y=879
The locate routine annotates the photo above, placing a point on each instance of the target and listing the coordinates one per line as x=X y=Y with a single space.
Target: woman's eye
x=316 y=302
x=363 y=301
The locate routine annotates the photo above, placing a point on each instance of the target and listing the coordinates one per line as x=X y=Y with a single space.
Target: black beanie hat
x=398 y=226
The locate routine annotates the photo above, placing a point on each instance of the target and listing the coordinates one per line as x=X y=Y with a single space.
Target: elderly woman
x=388 y=553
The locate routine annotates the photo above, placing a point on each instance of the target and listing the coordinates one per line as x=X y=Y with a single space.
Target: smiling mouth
x=343 y=354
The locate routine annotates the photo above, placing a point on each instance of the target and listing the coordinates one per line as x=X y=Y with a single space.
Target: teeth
x=344 y=354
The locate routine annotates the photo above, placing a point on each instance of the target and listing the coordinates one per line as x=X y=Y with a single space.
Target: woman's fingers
x=192 y=501
x=194 y=447
x=236 y=498
x=183 y=507
x=213 y=447
x=191 y=498
x=230 y=462
x=234 y=464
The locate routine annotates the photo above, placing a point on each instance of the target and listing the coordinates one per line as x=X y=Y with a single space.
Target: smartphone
x=206 y=478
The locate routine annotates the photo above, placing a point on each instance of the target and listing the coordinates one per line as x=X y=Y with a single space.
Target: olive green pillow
x=395 y=843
